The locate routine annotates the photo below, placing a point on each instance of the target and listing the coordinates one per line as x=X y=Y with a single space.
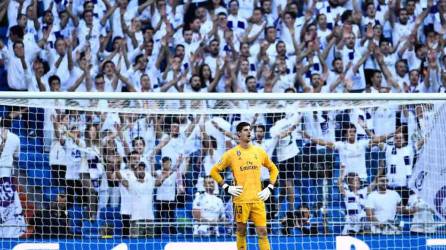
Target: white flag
x=429 y=174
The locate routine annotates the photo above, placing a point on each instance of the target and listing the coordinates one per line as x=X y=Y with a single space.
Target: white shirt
x=355 y=202
x=74 y=157
x=384 y=120
x=126 y=199
x=142 y=198
x=287 y=147
x=353 y=156
x=167 y=190
x=399 y=163
x=383 y=205
x=10 y=151
x=210 y=206
x=268 y=145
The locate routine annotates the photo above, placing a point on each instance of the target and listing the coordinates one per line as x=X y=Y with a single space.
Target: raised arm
x=320 y=142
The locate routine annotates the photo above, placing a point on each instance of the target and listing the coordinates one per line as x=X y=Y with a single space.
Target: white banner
x=429 y=174
x=12 y=222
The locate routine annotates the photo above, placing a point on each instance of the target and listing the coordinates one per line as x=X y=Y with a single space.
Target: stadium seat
x=75 y=218
x=112 y=217
x=90 y=228
x=39 y=177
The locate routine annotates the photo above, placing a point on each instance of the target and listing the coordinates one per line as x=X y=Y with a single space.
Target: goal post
x=98 y=170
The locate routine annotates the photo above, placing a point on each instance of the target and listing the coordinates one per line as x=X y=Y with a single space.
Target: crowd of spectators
x=143 y=165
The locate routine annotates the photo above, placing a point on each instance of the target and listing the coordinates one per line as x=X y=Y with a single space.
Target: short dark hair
x=241 y=125
x=53 y=78
x=263 y=127
x=249 y=78
x=136 y=139
x=165 y=158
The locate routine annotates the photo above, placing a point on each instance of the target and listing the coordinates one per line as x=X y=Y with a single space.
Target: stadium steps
x=111 y=217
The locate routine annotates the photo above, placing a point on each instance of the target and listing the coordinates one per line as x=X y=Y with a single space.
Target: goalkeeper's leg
x=262 y=234
x=241 y=236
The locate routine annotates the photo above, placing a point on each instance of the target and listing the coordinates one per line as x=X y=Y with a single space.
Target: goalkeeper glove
x=233 y=190
x=266 y=192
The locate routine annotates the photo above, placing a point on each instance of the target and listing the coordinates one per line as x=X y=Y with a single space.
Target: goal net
x=134 y=173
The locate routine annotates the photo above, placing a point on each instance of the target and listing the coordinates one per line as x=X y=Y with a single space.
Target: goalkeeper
x=246 y=161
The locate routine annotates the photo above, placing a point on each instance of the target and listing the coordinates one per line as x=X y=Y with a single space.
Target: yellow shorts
x=255 y=212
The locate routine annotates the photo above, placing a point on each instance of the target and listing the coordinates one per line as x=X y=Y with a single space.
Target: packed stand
x=101 y=166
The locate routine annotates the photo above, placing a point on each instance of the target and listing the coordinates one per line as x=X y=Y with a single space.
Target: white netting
x=103 y=174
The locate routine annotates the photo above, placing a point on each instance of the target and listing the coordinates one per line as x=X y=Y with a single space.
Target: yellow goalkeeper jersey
x=245 y=164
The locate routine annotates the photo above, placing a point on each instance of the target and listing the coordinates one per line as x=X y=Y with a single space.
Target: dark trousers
x=58 y=175
x=165 y=212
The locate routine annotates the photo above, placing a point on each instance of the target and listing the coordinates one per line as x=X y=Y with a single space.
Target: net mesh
x=101 y=172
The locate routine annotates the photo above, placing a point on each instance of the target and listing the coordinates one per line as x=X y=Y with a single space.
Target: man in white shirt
x=207 y=207
x=399 y=162
x=269 y=145
x=352 y=151
x=382 y=206
x=9 y=150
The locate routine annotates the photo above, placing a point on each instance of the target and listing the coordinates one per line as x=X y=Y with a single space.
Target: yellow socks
x=241 y=241
x=263 y=243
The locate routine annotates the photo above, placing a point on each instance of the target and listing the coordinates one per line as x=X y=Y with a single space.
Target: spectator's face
x=149 y=48
x=382 y=183
x=260 y=133
x=421 y=52
x=350 y=41
x=442 y=5
x=222 y=21
x=200 y=13
x=401 y=68
x=233 y=8
x=140 y=172
x=316 y=80
x=399 y=140
x=351 y=134
x=376 y=79
x=209 y=185
x=92 y=133
x=61 y=201
x=403 y=17
x=55 y=85
x=166 y=165
x=19 y=50
x=89 y=6
x=139 y=146
x=134 y=160
x=245 y=134
x=251 y=85
x=377 y=30
x=175 y=129
x=385 y=48
x=371 y=10
x=214 y=48
x=179 y=51
x=88 y=18
x=244 y=67
x=142 y=63
x=281 y=66
x=244 y=50
x=354 y=183
x=188 y=36
x=38 y=67
x=288 y=20
x=267 y=7
x=145 y=82
x=206 y=72
x=410 y=7
x=109 y=69
x=281 y=49
x=414 y=77
x=196 y=83
x=148 y=35
x=100 y=84
x=338 y=66
x=22 y=21
x=176 y=62
x=322 y=21
x=257 y=16
x=271 y=35
x=48 y=18
x=60 y=47
x=293 y=8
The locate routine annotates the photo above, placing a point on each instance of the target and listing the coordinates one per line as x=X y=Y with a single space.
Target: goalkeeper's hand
x=233 y=190
x=266 y=192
